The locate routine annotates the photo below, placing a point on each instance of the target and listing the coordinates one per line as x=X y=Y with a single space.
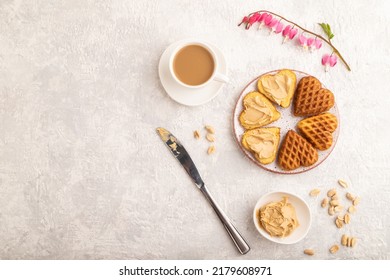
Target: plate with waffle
x=286 y=121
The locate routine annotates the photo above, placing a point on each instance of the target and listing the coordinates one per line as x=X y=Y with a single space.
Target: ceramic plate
x=286 y=122
x=187 y=96
x=303 y=215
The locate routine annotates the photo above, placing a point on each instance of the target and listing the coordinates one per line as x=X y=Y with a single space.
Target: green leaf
x=324 y=27
x=327 y=30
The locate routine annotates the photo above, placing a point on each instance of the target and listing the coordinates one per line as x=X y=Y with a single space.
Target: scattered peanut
x=315 y=192
x=356 y=201
x=347 y=218
x=334 y=202
x=196 y=134
x=331 y=211
x=350 y=196
x=352 y=209
x=324 y=202
x=331 y=192
x=352 y=242
x=211 y=150
x=343 y=183
x=339 y=223
x=344 y=240
x=334 y=249
x=334 y=206
x=210 y=129
x=309 y=252
x=210 y=137
x=348 y=241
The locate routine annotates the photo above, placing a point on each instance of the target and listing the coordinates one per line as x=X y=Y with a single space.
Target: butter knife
x=180 y=153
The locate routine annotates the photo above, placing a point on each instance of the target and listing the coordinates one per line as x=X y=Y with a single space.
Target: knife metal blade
x=180 y=153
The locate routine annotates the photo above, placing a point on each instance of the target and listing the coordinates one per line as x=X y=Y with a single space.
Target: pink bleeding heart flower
x=325 y=59
x=268 y=19
x=302 y=41
x=310 y=42
x=262 y=19
x=292 y=33
x=286 y=31
x=279 y=27
x=332 y=60
x=256 y=16
x=272 y=23
x=317 y=43
x=244 y=20
x=252 y=19
x=289 y=33
x=329 y=60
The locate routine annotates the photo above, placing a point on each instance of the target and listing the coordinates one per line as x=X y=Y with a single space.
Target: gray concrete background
x=83 y=174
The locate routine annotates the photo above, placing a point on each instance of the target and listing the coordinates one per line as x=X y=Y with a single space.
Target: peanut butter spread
x=277 y=86
x=163 y=133
x=256 y=111
x=166 y=136
x=262 y=143
x=278 y=218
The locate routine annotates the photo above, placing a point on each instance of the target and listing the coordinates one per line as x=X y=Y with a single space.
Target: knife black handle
x=234 y=234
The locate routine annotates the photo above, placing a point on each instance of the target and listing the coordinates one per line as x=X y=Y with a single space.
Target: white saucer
x=183 y=95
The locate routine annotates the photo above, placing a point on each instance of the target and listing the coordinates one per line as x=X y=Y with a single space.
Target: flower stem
x=335 y=50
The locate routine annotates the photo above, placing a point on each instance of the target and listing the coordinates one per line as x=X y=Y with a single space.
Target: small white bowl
x=302 y=211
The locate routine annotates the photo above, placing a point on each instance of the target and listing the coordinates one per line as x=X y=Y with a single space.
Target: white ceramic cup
x=214 y=77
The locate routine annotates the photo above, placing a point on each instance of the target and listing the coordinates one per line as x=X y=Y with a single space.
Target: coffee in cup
x=194 y=65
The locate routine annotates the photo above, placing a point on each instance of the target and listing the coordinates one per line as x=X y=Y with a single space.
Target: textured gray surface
x=83 y=175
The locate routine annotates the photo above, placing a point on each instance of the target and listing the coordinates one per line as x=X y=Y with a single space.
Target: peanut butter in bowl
x=278 y=218
x=282 y=217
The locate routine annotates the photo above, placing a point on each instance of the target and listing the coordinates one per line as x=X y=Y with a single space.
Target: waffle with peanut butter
x=279 y=87
x=262 y=142
x=258 y=111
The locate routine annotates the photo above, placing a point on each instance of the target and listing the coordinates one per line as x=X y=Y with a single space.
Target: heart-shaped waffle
x=262 y=142
x=311 y=98
x=279 y=87
x=318 y=130
x=258 y=111
x=296 y=151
